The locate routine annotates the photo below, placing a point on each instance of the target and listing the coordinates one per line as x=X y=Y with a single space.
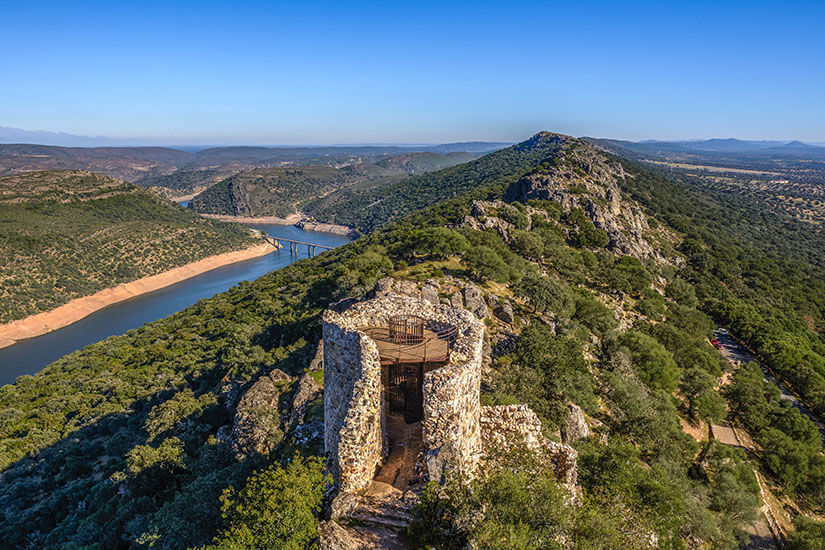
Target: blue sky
x=357 y=72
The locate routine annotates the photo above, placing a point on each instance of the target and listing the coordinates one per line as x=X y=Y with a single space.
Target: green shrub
x=277 y=508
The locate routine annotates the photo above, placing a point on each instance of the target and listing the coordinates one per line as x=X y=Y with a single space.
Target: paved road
x=737 y=353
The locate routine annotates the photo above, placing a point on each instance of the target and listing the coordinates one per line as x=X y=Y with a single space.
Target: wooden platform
x=432 y=350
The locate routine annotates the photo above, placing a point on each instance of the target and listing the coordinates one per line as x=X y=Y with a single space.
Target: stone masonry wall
x=353 y=408
x=505 y=426
x=353 y=411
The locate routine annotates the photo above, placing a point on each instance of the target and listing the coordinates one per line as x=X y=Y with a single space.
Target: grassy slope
x=69 y=234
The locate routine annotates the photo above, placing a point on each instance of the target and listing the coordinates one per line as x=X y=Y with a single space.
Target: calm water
x=29 y=356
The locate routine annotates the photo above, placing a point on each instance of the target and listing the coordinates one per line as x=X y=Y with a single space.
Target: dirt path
x=77 y=309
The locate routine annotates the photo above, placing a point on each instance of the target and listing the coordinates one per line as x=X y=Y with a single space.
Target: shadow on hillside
x=79 y=489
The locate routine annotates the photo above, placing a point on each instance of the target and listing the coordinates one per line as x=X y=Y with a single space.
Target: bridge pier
x=295 y=246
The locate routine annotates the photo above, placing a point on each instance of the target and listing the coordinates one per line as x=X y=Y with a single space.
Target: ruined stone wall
x=506 y=426
x=452 y=408
x=353 y=409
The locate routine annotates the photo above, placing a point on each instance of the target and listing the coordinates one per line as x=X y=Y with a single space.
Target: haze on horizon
x=276 y=73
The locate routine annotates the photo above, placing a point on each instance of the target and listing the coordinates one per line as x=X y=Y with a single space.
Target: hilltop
x=599 y=282
x=68 y=234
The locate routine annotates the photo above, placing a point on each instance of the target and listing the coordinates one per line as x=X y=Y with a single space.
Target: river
x=29 y=356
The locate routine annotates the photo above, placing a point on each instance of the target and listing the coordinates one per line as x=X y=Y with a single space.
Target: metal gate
x=405 y=390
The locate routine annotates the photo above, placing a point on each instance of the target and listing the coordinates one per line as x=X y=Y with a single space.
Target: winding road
x=738 y=354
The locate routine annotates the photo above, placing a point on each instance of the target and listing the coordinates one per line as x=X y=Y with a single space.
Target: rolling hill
x=67 y=234
x=285 y=191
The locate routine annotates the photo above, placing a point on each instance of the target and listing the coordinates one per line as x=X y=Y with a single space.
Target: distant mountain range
x=16 y=135
x=9 y=135
x=144 y=165
x=729 y=146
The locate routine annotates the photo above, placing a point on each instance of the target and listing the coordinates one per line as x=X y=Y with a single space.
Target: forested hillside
x=368 y=209
x=69 y=234
x=185 y=182
x=287 y=190
x=127 y=443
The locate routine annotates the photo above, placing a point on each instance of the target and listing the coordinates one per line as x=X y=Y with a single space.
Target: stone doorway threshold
x=398 y=473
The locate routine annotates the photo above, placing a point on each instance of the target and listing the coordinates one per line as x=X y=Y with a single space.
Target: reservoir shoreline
x=29 y=356
x=79 y=308
x=293 y=219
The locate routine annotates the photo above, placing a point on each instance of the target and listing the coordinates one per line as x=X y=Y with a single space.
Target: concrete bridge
x=294 y=246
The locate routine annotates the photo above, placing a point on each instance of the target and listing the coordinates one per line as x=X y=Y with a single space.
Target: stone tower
x=430 y=372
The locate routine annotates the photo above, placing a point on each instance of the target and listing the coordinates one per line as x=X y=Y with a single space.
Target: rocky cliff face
x=257 y=424
x=580 y=176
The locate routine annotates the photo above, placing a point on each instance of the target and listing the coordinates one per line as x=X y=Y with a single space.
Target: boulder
x=307 y=392
x=456 y=300
x=575 y=425
x=332 y=536
x=257 y=424
x=429 y=293
x=407 y=288
x=342 y=505
x=474 y=301
x=383 y=286
x=505 y=312
x=277 y=375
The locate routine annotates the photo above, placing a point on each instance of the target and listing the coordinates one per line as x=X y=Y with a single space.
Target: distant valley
x=289 y=190
x=182 y=171
x=789 y=177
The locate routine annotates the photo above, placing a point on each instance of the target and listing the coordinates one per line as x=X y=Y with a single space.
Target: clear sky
x=357 y=72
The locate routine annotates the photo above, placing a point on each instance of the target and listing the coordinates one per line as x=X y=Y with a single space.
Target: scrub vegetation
x=67 y=234
x=119 y=445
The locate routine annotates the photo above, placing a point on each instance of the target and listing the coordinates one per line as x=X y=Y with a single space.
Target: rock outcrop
x=581 y=176
x=575 y=426
x=507 y=427
x=308 y=391
x=257 y=424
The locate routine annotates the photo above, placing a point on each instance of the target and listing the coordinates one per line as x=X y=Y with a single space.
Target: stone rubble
x=505 y=426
